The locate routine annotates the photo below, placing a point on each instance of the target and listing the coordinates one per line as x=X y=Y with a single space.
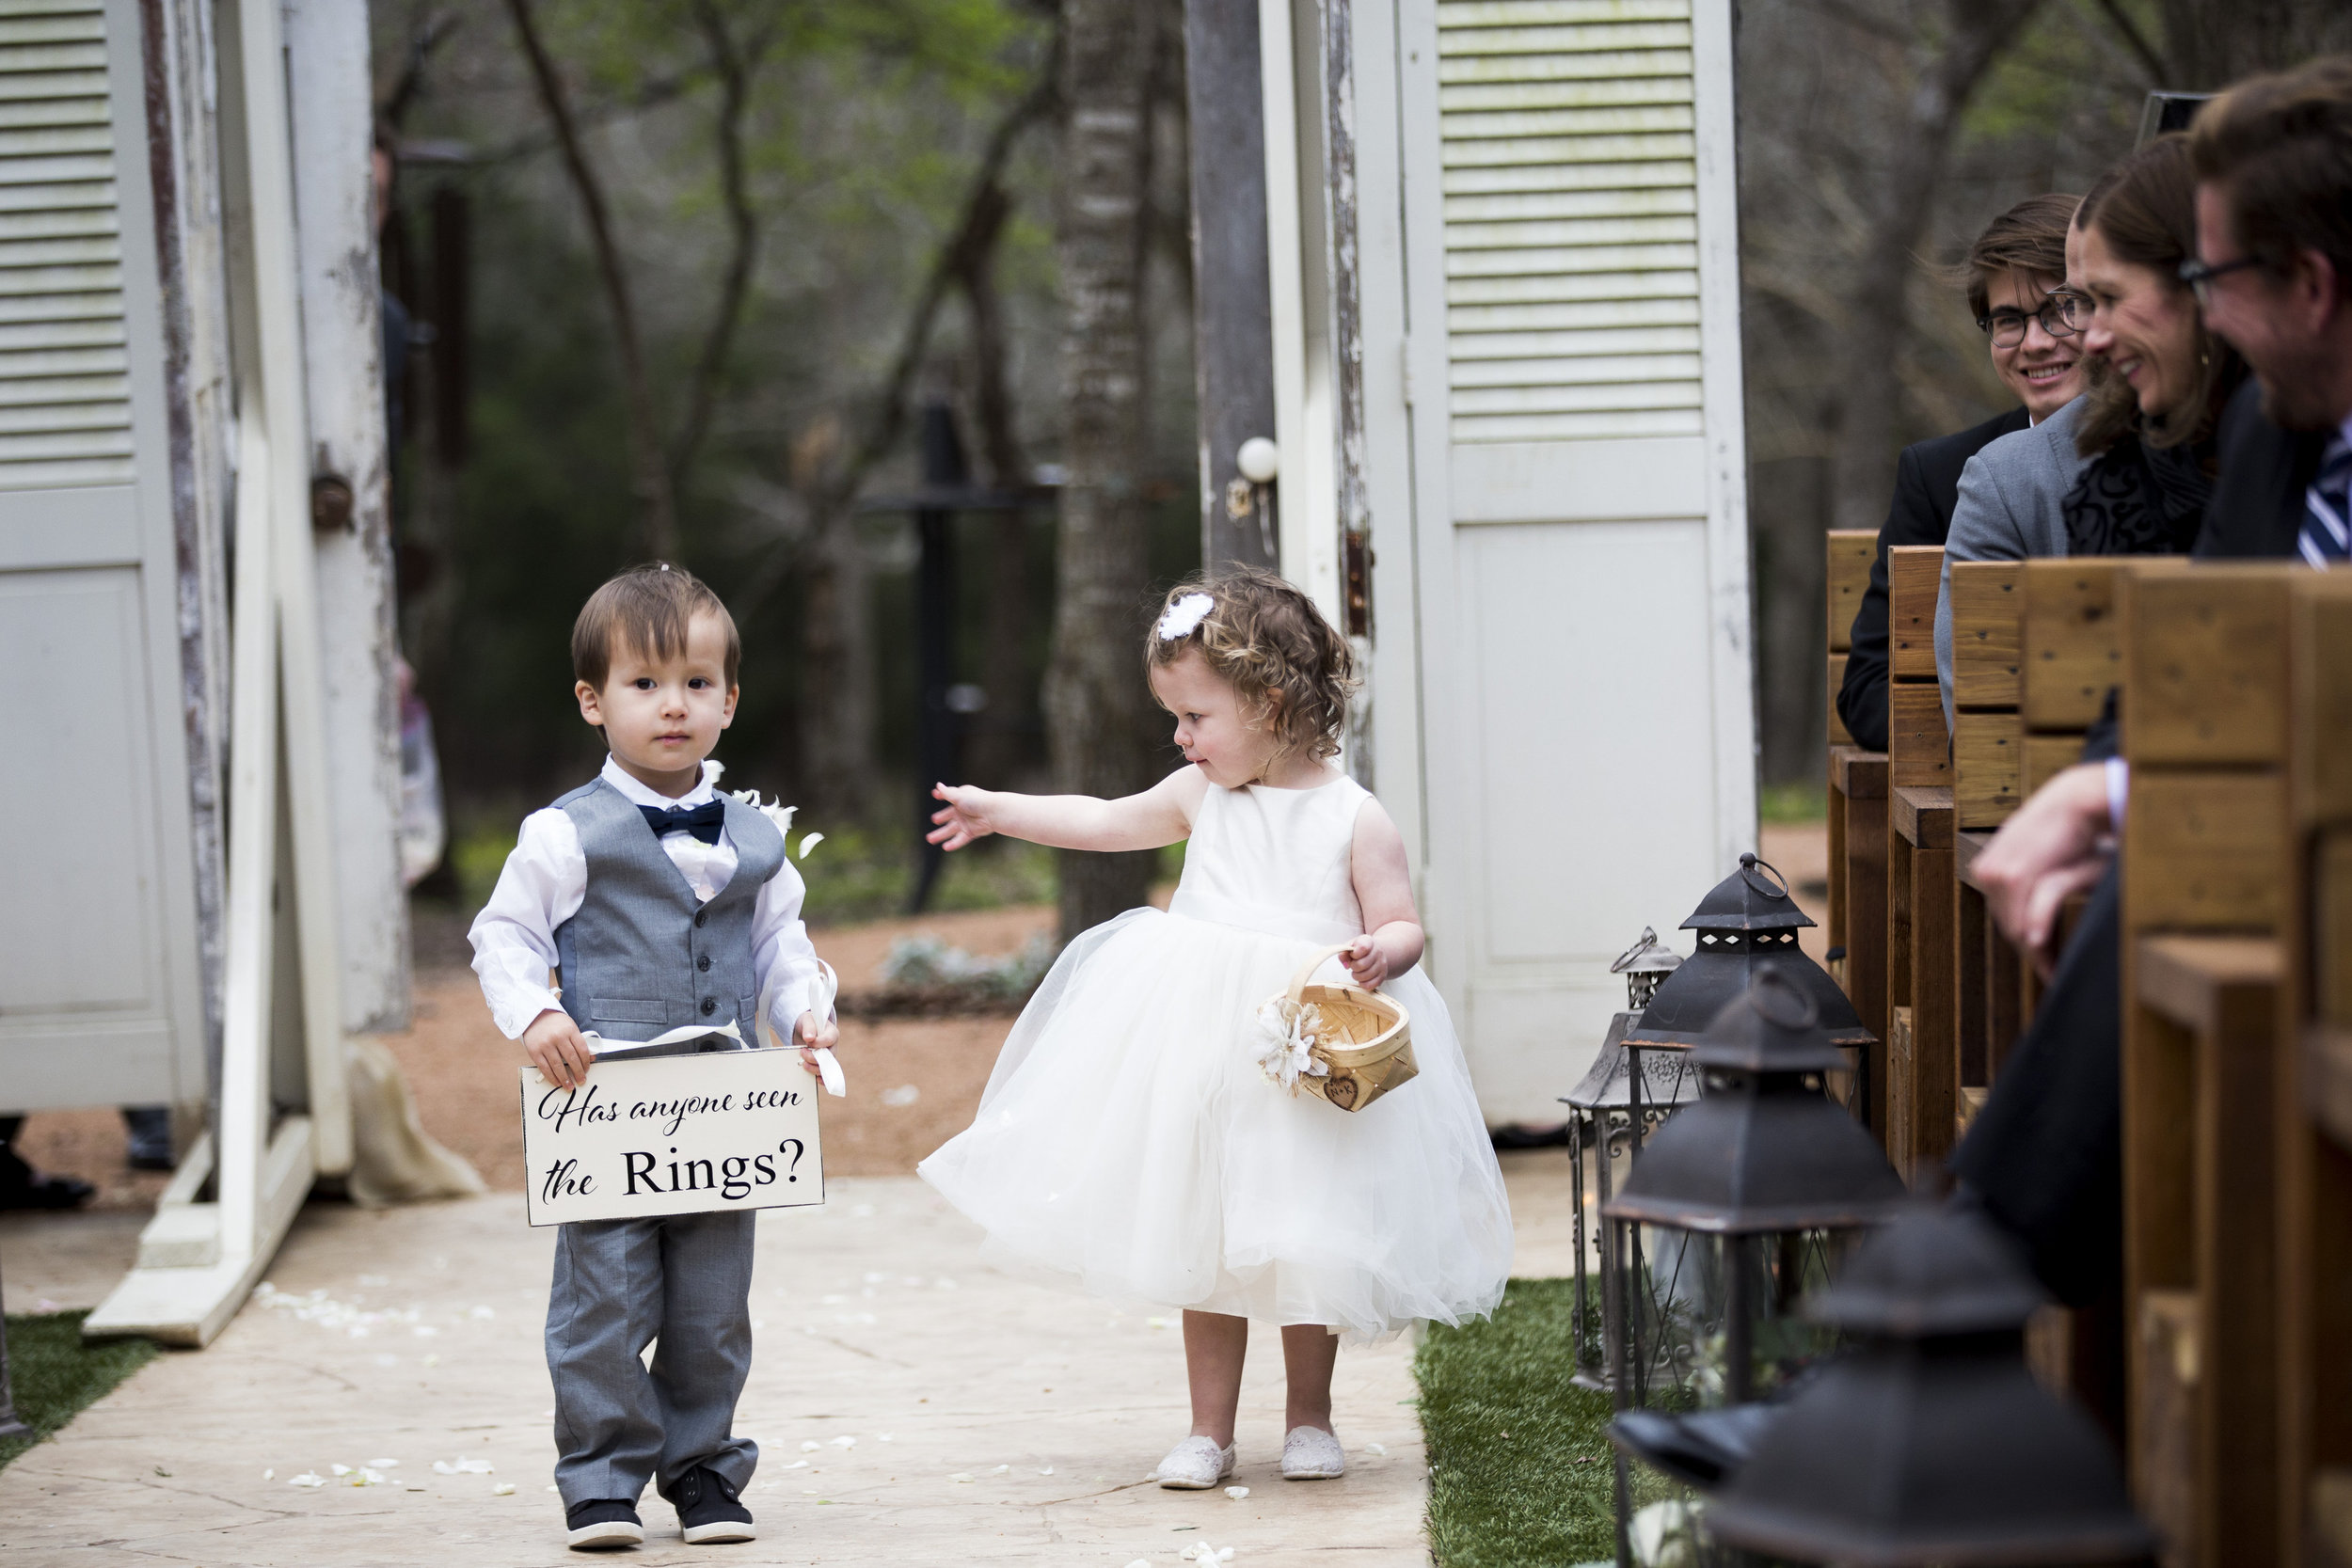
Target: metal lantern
x=1733 y=1210
x=1930 y=1442
x=1601 y=1121
x=1747 y=921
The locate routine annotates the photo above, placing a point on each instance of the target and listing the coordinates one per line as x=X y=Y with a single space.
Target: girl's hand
x=814 y=1036
x=963 y=818
x=1366 y=964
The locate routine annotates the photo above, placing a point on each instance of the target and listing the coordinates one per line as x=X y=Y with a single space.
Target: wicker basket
x=1366 y=1039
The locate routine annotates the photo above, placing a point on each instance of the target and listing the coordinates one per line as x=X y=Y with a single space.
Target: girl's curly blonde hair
x=1289 y=664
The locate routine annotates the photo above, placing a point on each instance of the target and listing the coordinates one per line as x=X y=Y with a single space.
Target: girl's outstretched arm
x=1161 y=814
x=1392 y=939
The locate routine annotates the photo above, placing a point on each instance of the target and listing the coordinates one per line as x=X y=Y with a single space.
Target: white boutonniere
x=1286 y=1032
x=1179 y=619
x=780 y=815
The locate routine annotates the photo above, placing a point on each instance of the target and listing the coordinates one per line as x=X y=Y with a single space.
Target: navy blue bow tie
x=703 y=821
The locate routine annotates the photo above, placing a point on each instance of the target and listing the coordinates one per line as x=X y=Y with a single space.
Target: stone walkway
x=913 y=1405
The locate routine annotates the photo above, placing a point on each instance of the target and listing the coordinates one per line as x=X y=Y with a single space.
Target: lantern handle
x=1307 y=970
x=1751 y=864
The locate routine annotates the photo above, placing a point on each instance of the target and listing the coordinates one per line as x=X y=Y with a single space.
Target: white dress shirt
x=547 y=877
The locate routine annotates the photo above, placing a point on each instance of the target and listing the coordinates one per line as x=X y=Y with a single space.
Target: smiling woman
x=2161 y=377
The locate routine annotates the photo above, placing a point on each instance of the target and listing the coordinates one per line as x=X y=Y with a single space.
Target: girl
x=1129 y=1136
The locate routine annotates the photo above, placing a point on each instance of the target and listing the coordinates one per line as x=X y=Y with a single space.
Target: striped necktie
x=2327 y=534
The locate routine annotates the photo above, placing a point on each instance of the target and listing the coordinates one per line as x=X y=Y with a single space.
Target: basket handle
x=1307 y=970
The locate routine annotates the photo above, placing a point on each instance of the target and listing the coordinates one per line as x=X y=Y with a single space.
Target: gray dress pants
x=682 y=1284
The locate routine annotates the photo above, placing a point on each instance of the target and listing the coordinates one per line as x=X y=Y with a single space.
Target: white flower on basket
x=1287 y=1031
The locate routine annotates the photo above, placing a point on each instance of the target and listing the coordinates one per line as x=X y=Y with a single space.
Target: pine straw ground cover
x=1519 y=1472
x=54 y=1375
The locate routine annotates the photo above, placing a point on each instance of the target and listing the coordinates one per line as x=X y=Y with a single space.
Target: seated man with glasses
x=2012 y=274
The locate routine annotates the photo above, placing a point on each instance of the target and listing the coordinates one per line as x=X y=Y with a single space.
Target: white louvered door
x=1580 y=541
x=99 y=996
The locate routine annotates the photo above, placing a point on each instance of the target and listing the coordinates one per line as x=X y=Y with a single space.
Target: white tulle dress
x=1129 y=1143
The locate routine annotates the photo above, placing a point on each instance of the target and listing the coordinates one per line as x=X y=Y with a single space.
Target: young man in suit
x=2013 y=269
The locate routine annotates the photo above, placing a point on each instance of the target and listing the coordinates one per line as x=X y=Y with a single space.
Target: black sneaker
x=603 y=1525
x=707 y=1510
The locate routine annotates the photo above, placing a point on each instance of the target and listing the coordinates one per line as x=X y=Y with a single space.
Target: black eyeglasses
x=2199 y=275
x=2007 y=327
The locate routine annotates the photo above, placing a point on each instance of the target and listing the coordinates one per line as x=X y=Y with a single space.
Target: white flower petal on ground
x=796 y=1464
x=423 y=1331
x=1001 y=1470
x=309 y=1478
x=384 y=1464
x=811 y=1448
x=552 y=1487
x=959 y=1477
x=1047 y=1471
x=270 y=1474
x=504 y=1489
x=1140 y=1562
x=340 y=1469
x=1378 y=1450
x=887 y=1437
x=845 y=1442
x=1237 y=1493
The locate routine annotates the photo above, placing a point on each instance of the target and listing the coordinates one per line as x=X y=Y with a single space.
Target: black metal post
x=1233 y=284
x=1739 y=1323
x=9 y=1425
x=936 y=727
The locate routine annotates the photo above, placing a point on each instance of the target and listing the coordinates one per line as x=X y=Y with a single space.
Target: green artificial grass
x=1519 y=1472
x=54 y=1375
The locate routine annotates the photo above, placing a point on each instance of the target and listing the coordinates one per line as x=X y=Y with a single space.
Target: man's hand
x=557 y=1049
x=814 y=1036
x=1366 y=964
x=962 y=819
x=2049 y=851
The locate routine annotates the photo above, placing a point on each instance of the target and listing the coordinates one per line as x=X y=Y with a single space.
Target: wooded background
x=692 y=269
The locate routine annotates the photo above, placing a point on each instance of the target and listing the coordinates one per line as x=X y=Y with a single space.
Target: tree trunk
x=838 y=668
x=1096 y=699
x=1868 y=423
x=1005 y=659
x=656 y=510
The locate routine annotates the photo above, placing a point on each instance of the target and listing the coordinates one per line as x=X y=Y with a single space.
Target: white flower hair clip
x=1180 y=619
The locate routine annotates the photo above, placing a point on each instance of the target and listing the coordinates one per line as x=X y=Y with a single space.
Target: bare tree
x=656 y=504
x=1093 y=699
x=837 y=705
x=1869 y=415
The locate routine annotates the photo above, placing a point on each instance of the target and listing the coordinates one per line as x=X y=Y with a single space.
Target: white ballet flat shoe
x=1311 y=1453
x=1195 y=1465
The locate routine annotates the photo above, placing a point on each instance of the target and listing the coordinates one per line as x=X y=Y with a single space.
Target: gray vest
x=644 y=955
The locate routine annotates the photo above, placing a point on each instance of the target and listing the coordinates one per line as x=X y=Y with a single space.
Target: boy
x=661 y=903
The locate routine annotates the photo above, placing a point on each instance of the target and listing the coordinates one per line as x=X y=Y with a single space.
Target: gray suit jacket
x=2010 y=496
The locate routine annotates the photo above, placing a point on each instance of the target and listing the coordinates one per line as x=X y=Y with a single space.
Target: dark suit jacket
x=1927 y=486
x=2256 y=509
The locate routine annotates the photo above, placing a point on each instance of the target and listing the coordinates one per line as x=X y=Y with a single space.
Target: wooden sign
x=683 y=1135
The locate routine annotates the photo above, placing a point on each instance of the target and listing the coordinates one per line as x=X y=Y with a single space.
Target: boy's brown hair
x=646 y=608
x=1266 y=637
x=2029 y=238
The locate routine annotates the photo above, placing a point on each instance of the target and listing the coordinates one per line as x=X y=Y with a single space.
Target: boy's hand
x=557 y=1049
x=964 y=817
x=1366 y=964
x=814 y=1036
